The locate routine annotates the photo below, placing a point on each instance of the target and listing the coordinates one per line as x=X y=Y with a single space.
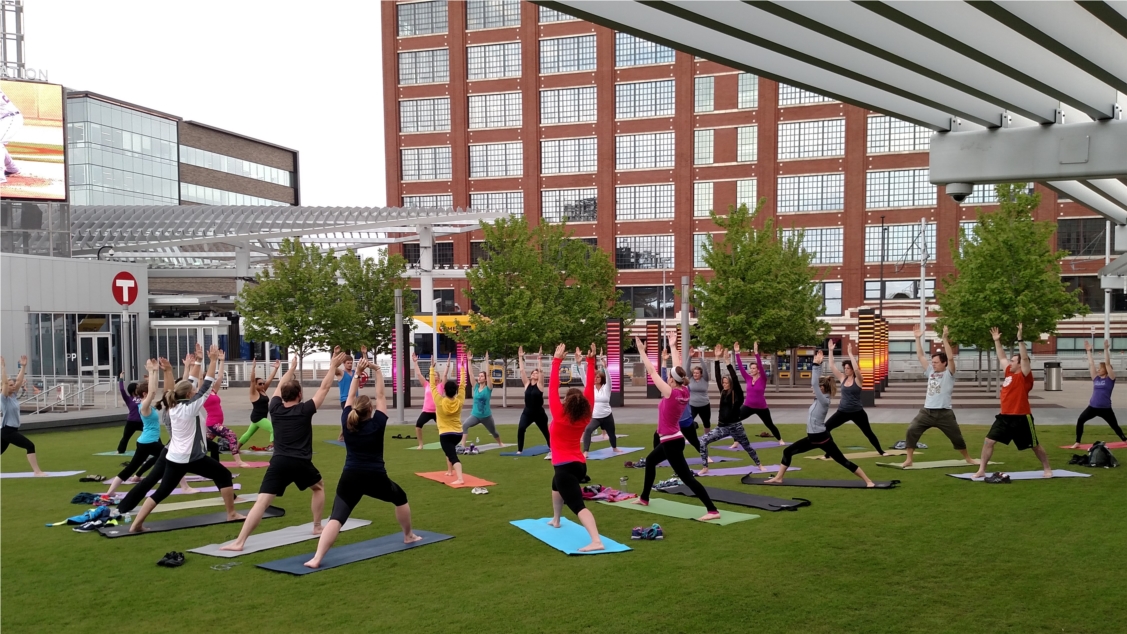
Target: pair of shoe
x=172 y=560
x=479 y=491
x=651 y=533
x=997 y=478
x=666 y=484
x=89 y=527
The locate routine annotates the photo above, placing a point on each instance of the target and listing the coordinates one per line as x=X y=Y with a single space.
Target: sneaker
x=89 y=527
x=628 y=465
x=480 y=491
x=654 y=532
x=638 y=533
x=11 y=171
x=900 y=444
x=997 y=478
x=172 y=560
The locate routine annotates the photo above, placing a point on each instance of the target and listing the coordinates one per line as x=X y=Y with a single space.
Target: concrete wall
x=30 y=283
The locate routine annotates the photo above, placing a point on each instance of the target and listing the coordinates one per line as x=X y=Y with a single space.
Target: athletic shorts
x=1017 y=428
x=425 y=418
x=284 y=471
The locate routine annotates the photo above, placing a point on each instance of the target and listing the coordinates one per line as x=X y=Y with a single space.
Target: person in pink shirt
x=427 y=414
x=213 y=407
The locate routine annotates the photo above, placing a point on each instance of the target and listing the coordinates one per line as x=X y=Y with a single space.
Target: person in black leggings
x=364 y=472
x=10 y=429
x=1103 y=382
x=533 y=413
x=148 y=443
x=133 y=418
x=849 y=407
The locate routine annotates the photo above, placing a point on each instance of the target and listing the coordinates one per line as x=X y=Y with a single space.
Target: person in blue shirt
x=482 y=413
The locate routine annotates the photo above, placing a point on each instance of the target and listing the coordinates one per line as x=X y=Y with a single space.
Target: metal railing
x=64 y=394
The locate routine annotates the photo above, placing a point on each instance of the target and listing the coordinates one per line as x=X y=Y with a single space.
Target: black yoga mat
x=192 y=521
x=765 y=502
x=827 y=484
x=352 y=553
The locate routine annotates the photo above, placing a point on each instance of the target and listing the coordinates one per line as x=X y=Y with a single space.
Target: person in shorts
x=1015 y=422
x=940 y=374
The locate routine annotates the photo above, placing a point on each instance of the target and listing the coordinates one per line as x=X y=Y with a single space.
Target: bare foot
x=708 y=517
x=592 y=547
x=710 y=460
x=641 y=502
x=313 y=563
x=233 y=546
x=137 y=528
x=317 y=528
x=40 y=474
x=235 y=516
x=459 y=481
x=735 y=446
x=1075 y=446
x=412 y=538
x=981 y=473
x=617 y=450
x=449 y=473
x=703 y=471
x=906 y=464
x=782 y=442
x=774 y=480
x=554 y=523
x=133 y=480
x=1047 y=474
x=870 y=484
x=973 y=461
x=242 y=464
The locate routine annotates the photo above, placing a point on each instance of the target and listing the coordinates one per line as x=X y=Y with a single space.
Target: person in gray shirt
x=817 y=437
x=940 y=374
x=699 y=404
x=10 y=407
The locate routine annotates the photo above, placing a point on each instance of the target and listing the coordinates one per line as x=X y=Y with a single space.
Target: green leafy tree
x=1007 y=274
x=369 y=290
x=763 y=288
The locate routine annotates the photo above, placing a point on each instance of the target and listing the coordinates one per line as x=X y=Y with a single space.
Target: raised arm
x=189 y=359
x=1026 y=366
x=838 y=374
x=718 y=354
x=1107 y=359
x=287 y=377
x=856 y=366
x=520 y=365
x=554 y=383
x=253 y=387
x=924 y=360
x=354 y=387
x=169 y=374
x=816 y=377
x=4 y=377
x=1091 y=362
x=1003 y=361
x=378 y=383
x=21 y=376
x=121 y=387
x=469 y=369
x=662 y=386
x=949 y=351
x=327 y=382
x=418 y=373
x=154 y=378
x=740 y=363
x=485 y=368
x=674 y=349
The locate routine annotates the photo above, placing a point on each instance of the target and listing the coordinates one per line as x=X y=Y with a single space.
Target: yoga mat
x=468 y=480
x=936 y=464
x=192 y=521
x=179 y=491
x=251 y=452
x=738 y=498
x=196 y=504
x=538 y=450
x=491 y=446
x=128 y=454
x=863 y=454
x=607 y=452
x=200 y=478
x=605 y=438
x=1025 y=475
x=826 y=484
x=698 y=461
x=429 y=445
x=1110 y=445
x=338 y=443
x=742 y=471
x=248 y=465
x=668 y=508
x=568 y=538
x=769 y=444
x=31 y=474
x=265 y=541
x=352 y=553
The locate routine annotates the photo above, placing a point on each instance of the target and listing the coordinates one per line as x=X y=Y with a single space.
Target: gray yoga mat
x=742 y=471
x=273 y=539
x=352 y=553
x=697 y=461
x=31 y=474
x=1026 y=475
x=766 y=444
x=192 y=521
x=827 y=484
x=728 y=496
x=197 y=504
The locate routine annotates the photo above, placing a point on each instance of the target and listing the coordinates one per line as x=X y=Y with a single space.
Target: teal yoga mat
x=568 y=538
x=669 y=508
x=128 y=454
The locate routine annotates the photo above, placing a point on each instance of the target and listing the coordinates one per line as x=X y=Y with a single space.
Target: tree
x=297 y=301
x=369 y=290
x=1007 y=273
x=763 y=288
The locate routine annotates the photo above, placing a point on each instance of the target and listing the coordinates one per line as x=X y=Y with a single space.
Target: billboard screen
x=31 y=130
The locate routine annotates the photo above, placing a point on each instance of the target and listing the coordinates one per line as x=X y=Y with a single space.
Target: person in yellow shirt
x=448 y=401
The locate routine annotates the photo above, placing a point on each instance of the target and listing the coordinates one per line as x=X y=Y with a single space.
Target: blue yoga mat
x=538 y=450
x=568 y=538
x=352 y=553
x=127 y=454
x=338 y=443
x=607 y=452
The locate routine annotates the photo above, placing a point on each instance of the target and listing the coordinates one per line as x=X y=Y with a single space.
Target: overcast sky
x=307 y=76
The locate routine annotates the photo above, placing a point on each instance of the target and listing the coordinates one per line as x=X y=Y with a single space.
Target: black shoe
x=172 y=560
x=997 y=478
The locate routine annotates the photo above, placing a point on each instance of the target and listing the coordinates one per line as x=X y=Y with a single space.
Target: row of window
x=232 y=165
x=211 y=196
x=704 y=92
x=425 y=18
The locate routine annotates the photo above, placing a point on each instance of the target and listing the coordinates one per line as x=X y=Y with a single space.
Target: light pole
x=110 y=254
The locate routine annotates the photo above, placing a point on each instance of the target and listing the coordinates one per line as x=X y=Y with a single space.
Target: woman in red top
x=569 y=420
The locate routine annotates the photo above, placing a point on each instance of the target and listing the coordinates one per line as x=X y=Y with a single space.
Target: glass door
x=94 y=356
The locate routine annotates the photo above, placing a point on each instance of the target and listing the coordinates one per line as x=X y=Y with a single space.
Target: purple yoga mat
x=768 y=444
x=742 y=471
x=715 y=459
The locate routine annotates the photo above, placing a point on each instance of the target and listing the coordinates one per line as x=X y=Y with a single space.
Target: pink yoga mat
x=249 y=465
x=742 y=471
x=1110 y=445
x=715 y=459
x=724 y=446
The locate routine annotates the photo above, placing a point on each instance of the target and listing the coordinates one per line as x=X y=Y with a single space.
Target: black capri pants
x=859 y=418
x=764 y=414
x=355 y=484
x=566 y=483
x=206 y=467
x=1107 y=414
x=821 y=442
x=531 y=417
x=137 y=493
x=425 y=418
x=144 y=451
x=12 y=436
x=705 y=413
x=449 y=441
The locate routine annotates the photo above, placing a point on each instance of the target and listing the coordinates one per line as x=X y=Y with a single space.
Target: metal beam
x=1085 y=196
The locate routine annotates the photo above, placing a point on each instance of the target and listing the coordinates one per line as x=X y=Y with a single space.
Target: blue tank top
x=481 y=397
x=150 y=426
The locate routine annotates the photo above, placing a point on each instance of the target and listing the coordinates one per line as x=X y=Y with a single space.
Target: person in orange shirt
x=1015 y=422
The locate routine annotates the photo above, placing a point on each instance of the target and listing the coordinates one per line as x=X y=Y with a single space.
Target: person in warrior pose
x=601 y=414
x=849 y=407
x=10 y=429
x=427 y=414
x=936 y=412
x=731 y=396
x=482 y=412
x=260 y=404
x=148 y=443
x=448 y=399
x=1103 y=382
x=755 y=401
x=533 y=413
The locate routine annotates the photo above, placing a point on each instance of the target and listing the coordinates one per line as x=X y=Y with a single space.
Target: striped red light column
x=614 y=362
x=653 y=351
x=867 y=354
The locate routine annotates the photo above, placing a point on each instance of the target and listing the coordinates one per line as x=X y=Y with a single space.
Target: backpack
x=1100 y=456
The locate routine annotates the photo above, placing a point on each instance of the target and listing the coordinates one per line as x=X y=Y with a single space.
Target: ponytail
x=179 y=392
x=361 y=411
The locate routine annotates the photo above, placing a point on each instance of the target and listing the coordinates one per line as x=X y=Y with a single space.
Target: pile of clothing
x=600 y=492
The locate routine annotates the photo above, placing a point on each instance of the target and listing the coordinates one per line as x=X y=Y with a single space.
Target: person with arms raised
x=10 y=429
x=940 y=374
x=731 y=396
x=533 y=413
x=755 y=400
x=448 y=400
x=849 y=407
x=260 y=404
x=1099 y=406
x=482 y=412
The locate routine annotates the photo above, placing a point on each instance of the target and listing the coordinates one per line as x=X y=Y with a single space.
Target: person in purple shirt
x=1103 y=382
x=133 y=422
x=754 y=400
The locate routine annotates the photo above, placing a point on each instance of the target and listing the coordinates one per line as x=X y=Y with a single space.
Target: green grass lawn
x=936 y=554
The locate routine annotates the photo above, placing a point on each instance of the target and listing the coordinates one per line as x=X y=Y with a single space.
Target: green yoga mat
x=669 y=508
x=935 y=464
x=429 y=445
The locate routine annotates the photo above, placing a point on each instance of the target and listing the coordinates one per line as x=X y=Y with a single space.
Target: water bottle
x=622 y=483
x=477 y=440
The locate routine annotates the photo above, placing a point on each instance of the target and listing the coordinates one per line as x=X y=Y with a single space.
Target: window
x=812 y=192
x=441 y=201
x=493 y=60
x=566 y=156
x=1093 y=296
x=898 y=289
x=826 y=245
x=902 y=243
x=899 y=188
x=491 y=14
x=567 y=54
x=1068 y=344
x=704 y=89
x=643 y=99
x=644 y=252
x=649 y=302
x=747 y=145
x=496 y=159
x=232 y=165
x=568 y=105
x=424 y=115
x=702 y=147
x=748 y=95
x=811 y=139
x=634 y=51
x=478 y=253
x=745 y=193
x=1081 y=236
x=211 y=196
x=985 y=194
x=699 y=240
x=643 y=151
x=424 y=67
x=886 y=134
x=969 y=228
x=551 y=15
x=512 y=202
x=702 y=199
x=421 y=18
x=792 y=96
x=498 y=110
x=444 y=305
x=425 y=163
x=443 y=253
x=569 y=205
x=644 y=202
x=831 y=297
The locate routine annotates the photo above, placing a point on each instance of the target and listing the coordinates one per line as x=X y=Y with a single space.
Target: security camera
x=959 y=191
